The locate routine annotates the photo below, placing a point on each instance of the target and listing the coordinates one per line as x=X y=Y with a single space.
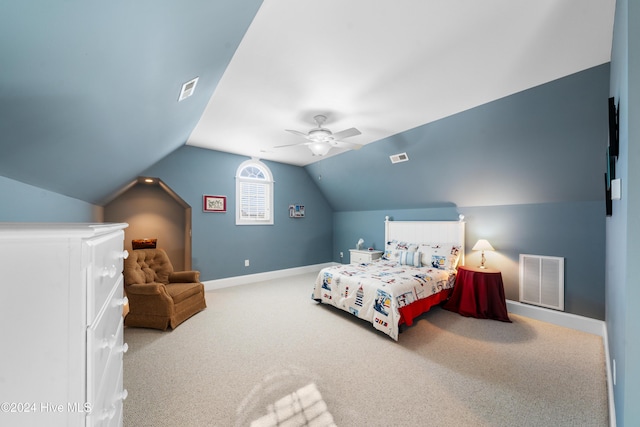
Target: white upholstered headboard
x=427 y=232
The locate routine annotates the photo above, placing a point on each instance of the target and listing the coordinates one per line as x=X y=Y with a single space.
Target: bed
x=416 y=272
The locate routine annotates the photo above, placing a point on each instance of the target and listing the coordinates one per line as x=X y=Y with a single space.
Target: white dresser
x=61 y=336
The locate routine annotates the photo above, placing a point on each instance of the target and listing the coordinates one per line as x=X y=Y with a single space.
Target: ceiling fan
x=321 y=140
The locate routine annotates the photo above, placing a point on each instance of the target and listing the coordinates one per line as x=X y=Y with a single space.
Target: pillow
x=389 y=250
x=441 y=262
x=426 y=251
x=443 y=256
x=404 y=246
x=393 y=247
x=410 y=258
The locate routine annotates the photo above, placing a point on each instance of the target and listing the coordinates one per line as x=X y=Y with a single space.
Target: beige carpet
x=257 y=344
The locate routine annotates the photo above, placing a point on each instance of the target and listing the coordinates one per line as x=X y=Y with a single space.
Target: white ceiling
x=388 y=66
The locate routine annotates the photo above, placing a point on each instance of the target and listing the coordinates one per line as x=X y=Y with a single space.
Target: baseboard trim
x=560 y=318
x=579 y=323
x=612 y=402
x=211 y=285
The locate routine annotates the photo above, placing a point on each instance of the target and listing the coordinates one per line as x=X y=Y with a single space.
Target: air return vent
x=187 y=89
x=397 y=158
x=542 y=281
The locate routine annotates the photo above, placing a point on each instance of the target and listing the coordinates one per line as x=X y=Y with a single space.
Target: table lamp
x=482 y=245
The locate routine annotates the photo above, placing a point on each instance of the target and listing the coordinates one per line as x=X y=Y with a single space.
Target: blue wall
x=542 y=145
x=551 y=229
x=87 y=104
x=623 y=229
x=526 y=171
x=26 y=203
x=219 y=246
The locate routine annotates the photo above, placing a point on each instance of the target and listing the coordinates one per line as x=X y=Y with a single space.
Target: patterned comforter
x=375 y=291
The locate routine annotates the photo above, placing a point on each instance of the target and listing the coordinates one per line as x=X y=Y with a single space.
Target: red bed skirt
x=415 y=309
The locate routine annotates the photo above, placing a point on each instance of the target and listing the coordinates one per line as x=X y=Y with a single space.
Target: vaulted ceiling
x=89 y=92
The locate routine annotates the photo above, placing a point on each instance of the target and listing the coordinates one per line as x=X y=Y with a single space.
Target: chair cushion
x=145 y=288
x=133 y=273
x=147 y=266
x=189 y=276
x=181 y=291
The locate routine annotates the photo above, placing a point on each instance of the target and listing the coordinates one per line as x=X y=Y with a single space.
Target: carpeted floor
x=257 y=344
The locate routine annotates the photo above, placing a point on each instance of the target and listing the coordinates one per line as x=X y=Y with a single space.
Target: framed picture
x=296 y=211
x=611 y=168
x=607 y=196
x=214 y=203
x=609 y=176
x=614 y=136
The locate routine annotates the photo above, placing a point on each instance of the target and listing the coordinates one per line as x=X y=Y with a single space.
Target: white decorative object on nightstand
x=61 y=311
x=358 y=257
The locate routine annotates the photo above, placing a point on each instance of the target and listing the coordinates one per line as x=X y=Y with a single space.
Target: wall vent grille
x=542 y=281
x=187 y=89
x=398 y=158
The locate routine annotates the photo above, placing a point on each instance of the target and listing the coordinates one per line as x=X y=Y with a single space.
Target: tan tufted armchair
x=158 y=296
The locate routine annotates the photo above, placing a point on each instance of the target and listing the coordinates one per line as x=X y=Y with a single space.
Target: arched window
x=254 y=194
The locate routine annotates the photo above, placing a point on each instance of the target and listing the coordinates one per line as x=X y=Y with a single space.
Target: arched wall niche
x=153 y=210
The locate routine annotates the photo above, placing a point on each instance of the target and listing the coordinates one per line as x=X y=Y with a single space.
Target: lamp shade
x=482 y=245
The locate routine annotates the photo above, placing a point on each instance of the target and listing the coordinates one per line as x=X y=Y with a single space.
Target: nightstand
x=362 y=256
x=478 y=293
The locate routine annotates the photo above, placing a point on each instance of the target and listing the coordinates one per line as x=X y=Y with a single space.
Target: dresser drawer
x=107 y=411
x=357 y=256
x=104 y=270
x=104 y=341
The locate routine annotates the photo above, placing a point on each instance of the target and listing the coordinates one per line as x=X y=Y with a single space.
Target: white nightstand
x=358 y=257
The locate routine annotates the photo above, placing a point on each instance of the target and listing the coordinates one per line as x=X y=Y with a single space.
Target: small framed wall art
x=296 y=211
x=214 y=203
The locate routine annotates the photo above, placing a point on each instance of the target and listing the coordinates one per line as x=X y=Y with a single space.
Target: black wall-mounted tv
x=613 y=128
x=608 y=203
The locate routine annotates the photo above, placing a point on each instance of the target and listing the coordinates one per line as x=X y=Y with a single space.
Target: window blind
x=254 y=197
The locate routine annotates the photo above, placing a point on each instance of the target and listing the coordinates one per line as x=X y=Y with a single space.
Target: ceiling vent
x=398 y=158
x=187 y=89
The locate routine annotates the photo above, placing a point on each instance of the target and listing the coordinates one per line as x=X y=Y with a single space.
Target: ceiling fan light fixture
x=320 y=148
x=320 y=135
x=321 y=140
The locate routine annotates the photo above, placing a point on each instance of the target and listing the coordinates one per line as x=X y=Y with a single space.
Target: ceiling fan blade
x=292 y=145
x=348 y=145
x=346 y=133
x=297 y=132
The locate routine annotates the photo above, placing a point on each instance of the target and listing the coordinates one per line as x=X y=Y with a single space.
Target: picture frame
x=296 y=211
x=608 y=203
x=611 y=168
x=214 y=203
x=609 y=175
x=614 y=136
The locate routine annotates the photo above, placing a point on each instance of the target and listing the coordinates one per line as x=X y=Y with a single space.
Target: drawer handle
x=108 y=414
x=124 y=254
x=109 y=343
x=120 y=302
x=109 y=271
x=124 y=348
